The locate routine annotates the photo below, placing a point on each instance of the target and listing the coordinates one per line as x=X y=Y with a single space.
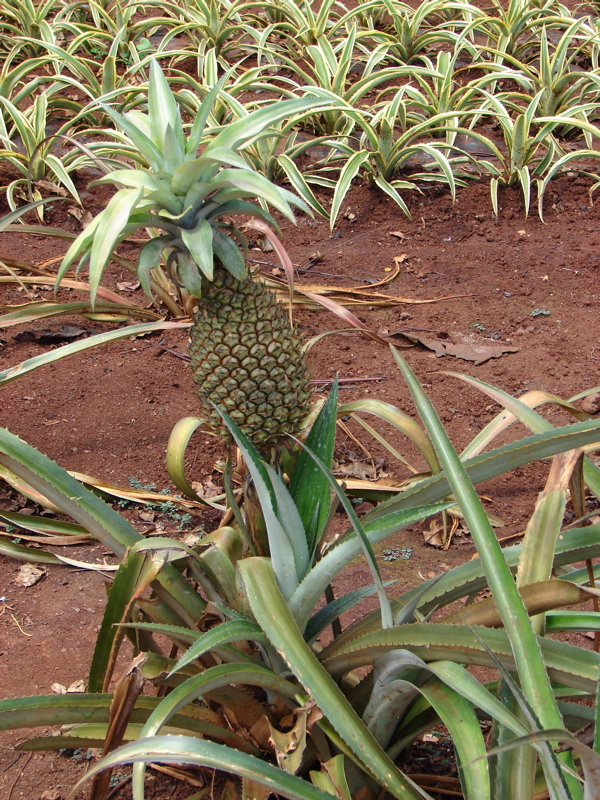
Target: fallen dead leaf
x=363 y=470
x=50 y=186
x=207 y=489
x=83 y=217
x=398 y=234
x=128 y=286
x=433 y=536
x=478 y=354
x=29 y=575
x=49 y=336
x=360 y=469
x=265 y=245
x=191 y=539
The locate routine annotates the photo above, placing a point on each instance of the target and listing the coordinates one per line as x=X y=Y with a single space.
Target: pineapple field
x=300 y=434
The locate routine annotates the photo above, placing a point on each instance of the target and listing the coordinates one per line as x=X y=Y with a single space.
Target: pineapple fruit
x=247 y=360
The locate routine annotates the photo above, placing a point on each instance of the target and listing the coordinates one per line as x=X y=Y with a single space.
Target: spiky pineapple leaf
x=347 y=175
x=343 y=552
x=149 y=259
x=134 y=131
x=132 y=179
x=273 y=615
x=285 y=531
x=203 y=168
x=229 y=254
x=163 y=110
x=257 y=185
x=185 y=749
x=200 y=685
x=199 y=124
x=199 y=242
x=326 y=615
x=309 y=487
x=227 y=632
x=111 y=223
x=243 y=132
x=173 y=151
x=127 y=579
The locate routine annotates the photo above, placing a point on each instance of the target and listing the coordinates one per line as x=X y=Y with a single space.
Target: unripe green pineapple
x=247 y=360
x=245 y=356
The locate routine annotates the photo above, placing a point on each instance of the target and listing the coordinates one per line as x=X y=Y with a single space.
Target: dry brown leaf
x=478 y=354
x=255 y=790
x=83 y=217
x=352 y=295
x=44 y=336
x=50 y=186
x=359 y=469
x=29 y=575
x=433 y=536
x=260 y=733
x=265 y=245
x=398 y=234
x=207 y=489
x=363 y=470
x=128 y=286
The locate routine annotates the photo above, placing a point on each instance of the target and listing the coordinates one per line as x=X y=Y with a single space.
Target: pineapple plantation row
x=444 y=93
x=212 y=124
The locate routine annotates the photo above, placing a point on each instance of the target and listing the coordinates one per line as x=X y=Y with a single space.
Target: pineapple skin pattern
x=247 y=359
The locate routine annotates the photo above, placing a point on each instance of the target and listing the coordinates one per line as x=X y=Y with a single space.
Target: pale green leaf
x=199 y=242
x=109 y=229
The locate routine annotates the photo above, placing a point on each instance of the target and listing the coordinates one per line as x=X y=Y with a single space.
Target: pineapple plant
x=245 y=355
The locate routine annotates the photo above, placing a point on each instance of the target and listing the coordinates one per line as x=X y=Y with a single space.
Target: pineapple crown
x=184 y=195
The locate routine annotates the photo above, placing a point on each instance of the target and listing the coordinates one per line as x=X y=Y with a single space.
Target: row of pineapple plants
x=462 y=92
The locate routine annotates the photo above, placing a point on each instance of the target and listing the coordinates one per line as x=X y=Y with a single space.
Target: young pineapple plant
x=245 y=355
